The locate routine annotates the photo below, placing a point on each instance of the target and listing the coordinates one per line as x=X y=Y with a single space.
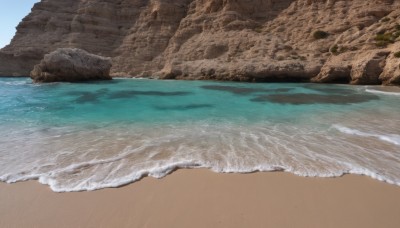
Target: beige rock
x=391 y=72
x=259 y=40
x=71 y=65
x=359 y=68
x=367 y=68
x=337 y=69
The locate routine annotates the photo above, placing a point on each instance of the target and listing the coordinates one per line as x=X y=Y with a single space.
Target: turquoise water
x=88 y=136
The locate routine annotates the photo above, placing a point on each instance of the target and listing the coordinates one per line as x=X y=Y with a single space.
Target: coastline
x=383 y=86
x=19 y=76
x=201 y=198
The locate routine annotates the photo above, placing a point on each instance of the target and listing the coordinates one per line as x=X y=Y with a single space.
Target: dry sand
x=200 y=198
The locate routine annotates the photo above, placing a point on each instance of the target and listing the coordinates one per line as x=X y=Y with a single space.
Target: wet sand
x=201 y=198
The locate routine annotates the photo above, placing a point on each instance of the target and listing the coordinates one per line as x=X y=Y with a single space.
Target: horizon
x=11 y=16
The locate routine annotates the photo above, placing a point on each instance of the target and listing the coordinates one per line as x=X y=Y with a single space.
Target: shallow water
x=90 y=136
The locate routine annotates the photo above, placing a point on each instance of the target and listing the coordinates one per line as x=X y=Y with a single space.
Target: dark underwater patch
x=303 y=99
x=183 y=107
x=324 y=89
x=244 y=91
x=82 y=92
x=100 y=82
x=88 y=97
x=281 y=90
x=133 y=93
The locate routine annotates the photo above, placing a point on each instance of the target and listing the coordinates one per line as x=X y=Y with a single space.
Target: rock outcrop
x=71 y=65
x=391 y=71
x=354 y=68
x=337 y=69
x=258 y=40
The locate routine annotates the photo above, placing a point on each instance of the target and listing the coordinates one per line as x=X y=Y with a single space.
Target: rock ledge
x=71 y=65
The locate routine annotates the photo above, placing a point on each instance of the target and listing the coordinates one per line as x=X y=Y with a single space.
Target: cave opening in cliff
x=344 y=79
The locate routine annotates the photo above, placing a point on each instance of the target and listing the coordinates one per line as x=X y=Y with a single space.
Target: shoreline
x=202 y=198
x=251 y=82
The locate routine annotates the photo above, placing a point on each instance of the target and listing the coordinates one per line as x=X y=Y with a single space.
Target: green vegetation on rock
x=382 y=40
x=335 y=49
x=258 y=30
x=320 y=35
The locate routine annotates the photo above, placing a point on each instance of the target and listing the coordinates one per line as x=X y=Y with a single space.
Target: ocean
x=89 y=136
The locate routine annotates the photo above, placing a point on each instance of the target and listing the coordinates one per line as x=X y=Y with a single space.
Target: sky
x=11 y=13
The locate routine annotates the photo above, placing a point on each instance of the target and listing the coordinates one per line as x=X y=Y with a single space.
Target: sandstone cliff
x=251 y=40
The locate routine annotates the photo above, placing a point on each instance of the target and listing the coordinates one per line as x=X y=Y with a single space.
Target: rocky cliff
x=350 y=41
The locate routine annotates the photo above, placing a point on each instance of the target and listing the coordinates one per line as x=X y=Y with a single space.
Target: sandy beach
x=201 y=198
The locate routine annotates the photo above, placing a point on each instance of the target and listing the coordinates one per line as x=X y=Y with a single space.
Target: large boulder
x=71 y=65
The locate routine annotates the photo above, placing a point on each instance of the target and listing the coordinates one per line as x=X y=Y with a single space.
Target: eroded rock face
x=71 y=65
x=366 y=69
x=258 y=40
x=337 y=69
x=391 y=72
x=354 y=67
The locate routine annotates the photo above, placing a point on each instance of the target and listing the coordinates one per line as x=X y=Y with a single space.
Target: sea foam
x=392 y=138
x=383 y=92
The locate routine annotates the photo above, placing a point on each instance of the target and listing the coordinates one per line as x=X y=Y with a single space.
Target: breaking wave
x=383 y=92
x=392 y=138
x=80 y=137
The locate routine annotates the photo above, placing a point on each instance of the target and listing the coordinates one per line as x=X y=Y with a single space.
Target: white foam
x=88 y=160
x=391 y=138
x=382 y=92
x=162 y=171
x=14 y=83
x=87 y=185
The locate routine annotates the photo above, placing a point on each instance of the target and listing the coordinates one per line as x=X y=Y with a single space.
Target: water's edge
x=254 y=82
x=95 y=135
x=171 y=171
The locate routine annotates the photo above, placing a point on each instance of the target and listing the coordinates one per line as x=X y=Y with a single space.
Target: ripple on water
x=133 y=93
x=304 y=99
x=243 y=90
x=183 y=107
